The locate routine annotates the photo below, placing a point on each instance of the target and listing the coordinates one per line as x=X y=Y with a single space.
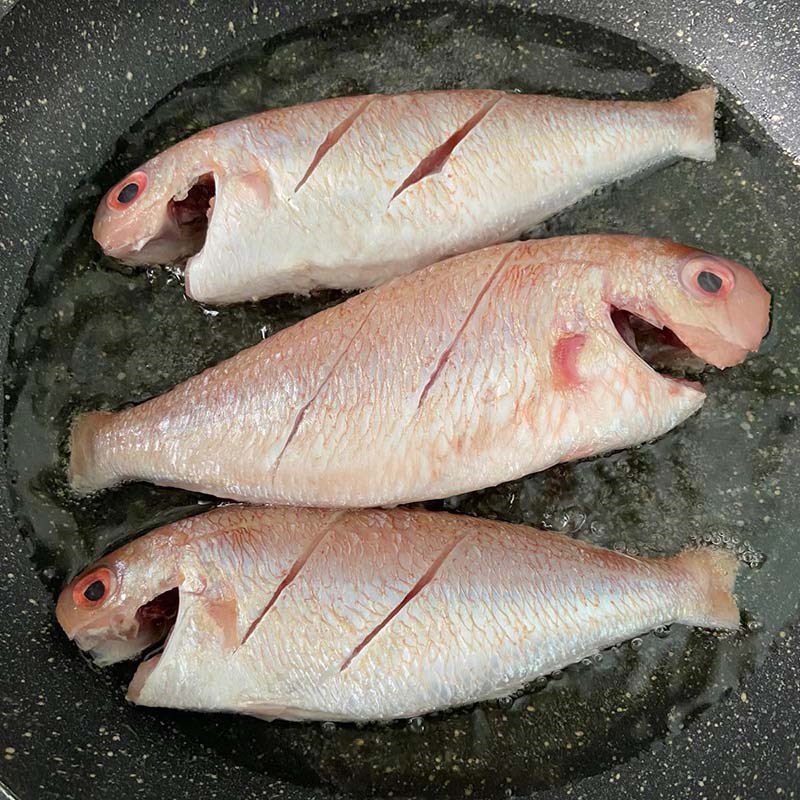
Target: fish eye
x=127 y=190
x=707 y=276
x=93 y=589
x=127 y=193
x=709 y=282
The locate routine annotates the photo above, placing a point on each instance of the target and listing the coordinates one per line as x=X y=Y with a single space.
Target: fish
x=466 y=374
x=347 y=193
x=362 y=615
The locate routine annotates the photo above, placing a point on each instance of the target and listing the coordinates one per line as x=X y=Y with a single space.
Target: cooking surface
x=730 y=461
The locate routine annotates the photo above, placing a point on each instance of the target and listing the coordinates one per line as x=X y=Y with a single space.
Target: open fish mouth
x=159 y=616
x=660 y=348
x=182 y=232
x=190 y=213
x=164 y=614
x=144 y=635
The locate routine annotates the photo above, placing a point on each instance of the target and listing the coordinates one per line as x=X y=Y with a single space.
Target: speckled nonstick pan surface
x=686 y=716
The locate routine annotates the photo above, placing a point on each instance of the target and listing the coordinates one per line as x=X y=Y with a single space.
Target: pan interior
x=91 y=334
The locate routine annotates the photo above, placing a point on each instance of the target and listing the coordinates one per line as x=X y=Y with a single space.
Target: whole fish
x=349 y=192
x=367 y=615
x=471 y=372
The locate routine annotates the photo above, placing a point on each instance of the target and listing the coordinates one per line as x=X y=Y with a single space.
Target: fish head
x=158 y=214
x=123 y=604
x=711 y=306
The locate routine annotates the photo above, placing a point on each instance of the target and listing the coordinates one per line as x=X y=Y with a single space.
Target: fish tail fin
x=699 y=141
x=85 y=472
x=714 y=571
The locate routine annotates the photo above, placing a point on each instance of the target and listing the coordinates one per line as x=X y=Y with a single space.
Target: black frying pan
x=722 y=723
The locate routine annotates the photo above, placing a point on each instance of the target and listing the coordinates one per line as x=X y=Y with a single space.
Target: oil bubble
x=416 y=725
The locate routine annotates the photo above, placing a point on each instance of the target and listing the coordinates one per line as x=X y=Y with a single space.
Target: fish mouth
x=189 y=213
x=181 y=232
x=165 y=610
x=122 y=640
x=660 y=348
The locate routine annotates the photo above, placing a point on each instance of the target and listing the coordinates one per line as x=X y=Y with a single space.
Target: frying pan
x=73 y=76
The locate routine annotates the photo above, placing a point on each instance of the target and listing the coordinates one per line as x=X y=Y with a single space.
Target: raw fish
x=463 y=375
x=368 y=615
x=349 y=192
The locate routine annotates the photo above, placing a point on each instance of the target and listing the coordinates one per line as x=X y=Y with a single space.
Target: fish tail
x=714 y=571
x=85 y=472
x=699 y=140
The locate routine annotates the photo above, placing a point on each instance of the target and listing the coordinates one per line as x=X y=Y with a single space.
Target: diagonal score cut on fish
x=367 y=615
x=463 y=375
x=349 y=192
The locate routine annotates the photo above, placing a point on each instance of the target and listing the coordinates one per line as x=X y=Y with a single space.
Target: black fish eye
x=94 y=591
x=128 y=193
x=709 y=282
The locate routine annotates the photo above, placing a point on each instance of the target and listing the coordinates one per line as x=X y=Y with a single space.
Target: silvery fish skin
x=463 y=375
x=368 y=615
x=350 y=192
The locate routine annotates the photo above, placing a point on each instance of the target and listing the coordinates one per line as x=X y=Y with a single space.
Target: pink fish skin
x=350 y=192
x=469 y=373
x=365 y=615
